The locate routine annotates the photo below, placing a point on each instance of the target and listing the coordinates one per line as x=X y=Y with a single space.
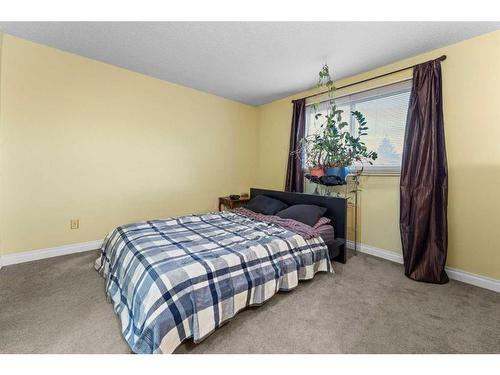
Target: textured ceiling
x=250 y=62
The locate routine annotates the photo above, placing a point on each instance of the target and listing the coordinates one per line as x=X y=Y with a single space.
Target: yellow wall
x=83 y=139
x=471 y=82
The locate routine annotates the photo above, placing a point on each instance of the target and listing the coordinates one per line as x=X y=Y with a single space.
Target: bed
x=179 y=278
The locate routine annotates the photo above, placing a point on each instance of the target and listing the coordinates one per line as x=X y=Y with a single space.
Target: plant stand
x=349 y=191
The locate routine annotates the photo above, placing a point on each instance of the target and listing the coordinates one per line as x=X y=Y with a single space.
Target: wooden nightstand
x=232 y=203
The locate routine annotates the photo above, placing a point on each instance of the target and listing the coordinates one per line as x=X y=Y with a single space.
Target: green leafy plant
x=334 y=145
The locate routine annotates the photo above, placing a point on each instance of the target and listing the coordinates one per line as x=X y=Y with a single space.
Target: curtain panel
x=294 y=174
x=424 y=179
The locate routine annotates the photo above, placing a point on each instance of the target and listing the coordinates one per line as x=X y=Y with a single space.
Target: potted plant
x=312 y=148
x=334 y=148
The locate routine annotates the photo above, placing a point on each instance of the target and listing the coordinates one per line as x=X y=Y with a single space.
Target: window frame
x=369 y=169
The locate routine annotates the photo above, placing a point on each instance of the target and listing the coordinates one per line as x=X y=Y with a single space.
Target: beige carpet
x=58 y=305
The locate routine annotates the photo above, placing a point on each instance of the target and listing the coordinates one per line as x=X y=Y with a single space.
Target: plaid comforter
x=183 y=277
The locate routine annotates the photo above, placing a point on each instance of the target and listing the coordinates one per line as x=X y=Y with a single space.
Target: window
x=385 y=111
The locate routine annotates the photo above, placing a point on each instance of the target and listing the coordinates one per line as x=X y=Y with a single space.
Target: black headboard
x=336 y=208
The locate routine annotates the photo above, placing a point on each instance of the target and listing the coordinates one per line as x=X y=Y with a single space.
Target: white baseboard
x=473 y=279
x=28 y=256
x=453 y=273
x=377 y=252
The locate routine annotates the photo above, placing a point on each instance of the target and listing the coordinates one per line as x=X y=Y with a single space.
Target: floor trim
x=29 y=256
x=453 y=273
x=377 y=252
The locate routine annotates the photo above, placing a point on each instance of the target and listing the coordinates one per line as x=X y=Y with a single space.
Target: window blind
x=385 y=110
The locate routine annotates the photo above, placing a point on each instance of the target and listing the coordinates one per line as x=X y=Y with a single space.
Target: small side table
x=232 y=203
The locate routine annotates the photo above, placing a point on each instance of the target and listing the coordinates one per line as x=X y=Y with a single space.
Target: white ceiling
x=250 y=62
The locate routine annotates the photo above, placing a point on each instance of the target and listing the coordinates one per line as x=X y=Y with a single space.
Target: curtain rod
x=441 y=58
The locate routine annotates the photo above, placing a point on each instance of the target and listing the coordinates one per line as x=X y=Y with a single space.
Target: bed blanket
x=177 y=278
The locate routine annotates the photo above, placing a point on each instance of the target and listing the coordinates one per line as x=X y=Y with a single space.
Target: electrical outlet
x=74 y=223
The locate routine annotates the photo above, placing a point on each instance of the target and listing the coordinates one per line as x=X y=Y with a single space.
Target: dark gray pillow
x=265 y=205
x=305 y=213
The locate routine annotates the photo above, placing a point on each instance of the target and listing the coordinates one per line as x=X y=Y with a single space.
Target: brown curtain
x=424 y=179
x=294 y=174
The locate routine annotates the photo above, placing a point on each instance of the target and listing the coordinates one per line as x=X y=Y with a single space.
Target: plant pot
x=340 y=172
x=317 y=171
